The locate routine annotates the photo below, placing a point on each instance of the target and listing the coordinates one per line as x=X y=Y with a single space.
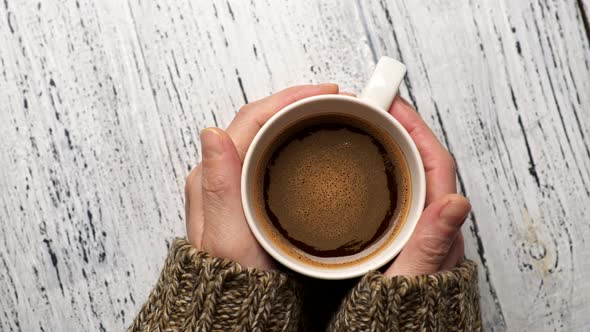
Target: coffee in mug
x=331 y=185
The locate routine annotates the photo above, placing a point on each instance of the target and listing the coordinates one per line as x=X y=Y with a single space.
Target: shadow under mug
x=372 y=106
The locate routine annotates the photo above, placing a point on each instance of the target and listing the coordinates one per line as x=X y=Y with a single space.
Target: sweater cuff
x=444 y=301
x=198 y=292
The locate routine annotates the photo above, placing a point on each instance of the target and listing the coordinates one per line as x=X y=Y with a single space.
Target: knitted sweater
x=197 y=292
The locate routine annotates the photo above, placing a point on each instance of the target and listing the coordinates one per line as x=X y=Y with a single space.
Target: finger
x=254 y=115
x=431 y=242
x=194 y=207
x=226 y=233
x=352 y=94
x=220 y=181
x=438 y=163
x=456 y=254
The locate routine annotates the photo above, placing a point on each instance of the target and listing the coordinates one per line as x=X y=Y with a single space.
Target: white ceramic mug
x=372 y=106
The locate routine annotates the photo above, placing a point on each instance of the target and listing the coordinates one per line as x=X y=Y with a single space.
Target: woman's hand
x=215 y=221
x=437 y=243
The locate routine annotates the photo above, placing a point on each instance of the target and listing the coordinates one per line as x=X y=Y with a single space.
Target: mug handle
x=384 y=83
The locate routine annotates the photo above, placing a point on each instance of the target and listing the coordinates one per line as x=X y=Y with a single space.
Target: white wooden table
x=101 y=103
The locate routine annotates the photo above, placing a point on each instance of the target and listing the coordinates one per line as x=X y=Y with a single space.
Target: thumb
x=431 y=242
x=222 y=205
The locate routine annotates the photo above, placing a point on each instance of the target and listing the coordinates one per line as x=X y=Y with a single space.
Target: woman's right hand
x=436 y=244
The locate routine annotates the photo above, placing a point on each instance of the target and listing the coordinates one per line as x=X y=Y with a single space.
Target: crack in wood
x=585 y=21
x=474 y=226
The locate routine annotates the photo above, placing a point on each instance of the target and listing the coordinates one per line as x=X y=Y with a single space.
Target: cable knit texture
x=444 y=301
x=197 y=292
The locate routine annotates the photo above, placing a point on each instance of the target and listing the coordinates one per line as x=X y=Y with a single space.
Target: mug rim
x=335 y=273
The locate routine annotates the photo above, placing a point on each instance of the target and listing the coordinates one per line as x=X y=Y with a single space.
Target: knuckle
x=461 y=201
x=448 y=163
x=244 y=110
x=452 y=164
x=433 y=251
x=216 y=184
x=187 y=189
x=190 y=179
x=418 y=131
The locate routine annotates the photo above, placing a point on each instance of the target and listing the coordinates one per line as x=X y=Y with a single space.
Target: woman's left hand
x=436 y=244
x=215 y=221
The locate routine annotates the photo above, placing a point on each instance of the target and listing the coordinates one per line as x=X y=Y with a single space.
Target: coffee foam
x=346 y=193
x=330 y=194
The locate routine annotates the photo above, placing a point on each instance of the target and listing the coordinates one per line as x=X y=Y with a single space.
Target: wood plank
x=87 y=196
x=502 y=86
x=206 y=61
x=102 y=104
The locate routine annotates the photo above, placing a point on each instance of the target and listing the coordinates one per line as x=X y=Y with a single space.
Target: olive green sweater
x=197 y=292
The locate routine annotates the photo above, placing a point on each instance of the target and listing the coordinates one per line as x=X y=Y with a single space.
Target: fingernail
x=211 y=143
x=329 y=85
x=456 y=210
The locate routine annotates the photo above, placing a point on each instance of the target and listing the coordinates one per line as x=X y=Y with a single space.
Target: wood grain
x=502 y=86
x=80 y=155
x=102 y=103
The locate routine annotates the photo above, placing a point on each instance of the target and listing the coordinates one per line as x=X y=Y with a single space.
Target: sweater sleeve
x=198 y=292
x=444 y=301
